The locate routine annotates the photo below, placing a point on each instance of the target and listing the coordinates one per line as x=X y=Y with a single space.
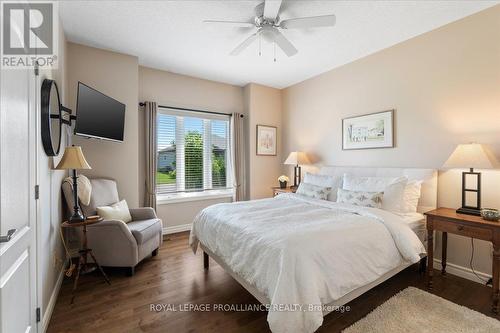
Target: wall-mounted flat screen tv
x=98 y=116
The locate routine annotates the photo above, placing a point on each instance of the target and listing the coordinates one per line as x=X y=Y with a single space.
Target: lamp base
x=77 y=217
x=296 y=176
x=469 y=211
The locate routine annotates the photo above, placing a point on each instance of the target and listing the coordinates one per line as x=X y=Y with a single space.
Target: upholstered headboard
x=428 y=198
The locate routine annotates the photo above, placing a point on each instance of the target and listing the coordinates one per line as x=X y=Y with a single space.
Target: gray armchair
x=114 y=242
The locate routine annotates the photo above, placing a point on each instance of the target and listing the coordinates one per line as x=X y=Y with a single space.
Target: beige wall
x=52 y=255
x=176 y=90
x=115 y=75
x=445 y=87
x=263 y=106
x=177 y=216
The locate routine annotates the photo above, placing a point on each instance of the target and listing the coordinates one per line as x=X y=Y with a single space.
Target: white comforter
x=300 y=251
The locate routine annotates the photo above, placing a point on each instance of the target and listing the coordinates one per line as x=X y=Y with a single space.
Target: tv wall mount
x=53 y=116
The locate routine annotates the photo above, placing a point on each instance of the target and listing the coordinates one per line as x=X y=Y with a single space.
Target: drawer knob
x=460 y=227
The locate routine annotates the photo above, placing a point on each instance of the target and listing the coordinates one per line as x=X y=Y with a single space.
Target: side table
x=84 y=266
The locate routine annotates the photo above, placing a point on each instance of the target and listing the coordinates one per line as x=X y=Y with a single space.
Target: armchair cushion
x=144 y=230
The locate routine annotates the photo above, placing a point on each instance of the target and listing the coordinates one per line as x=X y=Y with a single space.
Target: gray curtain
x=238 y=158
x=150 y=113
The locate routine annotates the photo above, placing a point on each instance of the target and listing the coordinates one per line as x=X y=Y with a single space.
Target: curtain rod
x=193 y=110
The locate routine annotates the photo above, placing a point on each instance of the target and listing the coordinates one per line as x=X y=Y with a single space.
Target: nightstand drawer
x=463 y=230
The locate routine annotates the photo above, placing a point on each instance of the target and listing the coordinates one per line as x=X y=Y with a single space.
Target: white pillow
x=393 y=189
x=313 y=191
x=360 y=198
x=117 y=211
x=334 y=182
x=411 y=196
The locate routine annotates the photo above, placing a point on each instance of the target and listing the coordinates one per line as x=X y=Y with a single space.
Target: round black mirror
x=51 y=118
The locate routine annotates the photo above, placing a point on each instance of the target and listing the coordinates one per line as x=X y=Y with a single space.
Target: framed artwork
x=369 y=131
x=266 y=140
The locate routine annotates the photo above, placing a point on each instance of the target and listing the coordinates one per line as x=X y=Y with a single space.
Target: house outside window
x=193 y=152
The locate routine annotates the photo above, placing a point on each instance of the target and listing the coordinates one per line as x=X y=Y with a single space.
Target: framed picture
x=266 y=140
x=369 y=131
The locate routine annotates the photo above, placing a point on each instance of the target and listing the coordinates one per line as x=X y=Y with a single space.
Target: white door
x=17 y=201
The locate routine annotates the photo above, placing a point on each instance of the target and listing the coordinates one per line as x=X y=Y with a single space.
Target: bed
x=304 y=257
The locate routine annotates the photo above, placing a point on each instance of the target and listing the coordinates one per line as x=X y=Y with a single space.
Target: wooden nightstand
x=448 y=220
x=279 y=190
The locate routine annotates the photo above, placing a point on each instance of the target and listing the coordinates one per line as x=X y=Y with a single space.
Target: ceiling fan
x=269 y=26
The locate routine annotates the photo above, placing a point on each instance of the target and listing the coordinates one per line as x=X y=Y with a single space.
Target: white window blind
x=193 y=151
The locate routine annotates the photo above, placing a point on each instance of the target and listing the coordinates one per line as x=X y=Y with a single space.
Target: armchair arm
x=143 y=213
x=113 y=243
x=117 y=225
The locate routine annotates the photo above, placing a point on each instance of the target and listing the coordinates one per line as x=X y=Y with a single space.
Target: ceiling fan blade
x=231 y=23
x=284 y=43
x=271 y=9
x=259 y=9
x=246 y=43
x=309 y=22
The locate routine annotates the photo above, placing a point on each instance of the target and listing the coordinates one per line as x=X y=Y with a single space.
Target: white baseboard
x=47 y=313
x=176 y=228
x=463 y=272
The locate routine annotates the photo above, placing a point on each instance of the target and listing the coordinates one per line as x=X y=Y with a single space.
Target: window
x=193 y=152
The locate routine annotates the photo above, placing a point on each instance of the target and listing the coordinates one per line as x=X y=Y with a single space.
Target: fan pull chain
x=260 y=45
x=274 y=52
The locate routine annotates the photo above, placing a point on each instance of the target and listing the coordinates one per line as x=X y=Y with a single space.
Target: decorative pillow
x=117 y=211
x=368 y=184
x=313 y=191
x=392 y=188
x=334 y=182
x=360 y=198
x=411 y=196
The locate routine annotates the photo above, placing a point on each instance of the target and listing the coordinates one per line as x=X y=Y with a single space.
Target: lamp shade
x=73 y=159
x=471 y=155
x=297 y=158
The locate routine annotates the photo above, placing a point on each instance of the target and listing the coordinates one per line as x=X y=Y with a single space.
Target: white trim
x=176 y=228
x=463 y=272
x=193 y=196
x=38 y=208
x=47 y=313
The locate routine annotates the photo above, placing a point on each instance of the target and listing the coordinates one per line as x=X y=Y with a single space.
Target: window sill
x=166 y=199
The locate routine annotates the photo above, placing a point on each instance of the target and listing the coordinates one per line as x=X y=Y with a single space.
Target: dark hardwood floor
x=176 y=276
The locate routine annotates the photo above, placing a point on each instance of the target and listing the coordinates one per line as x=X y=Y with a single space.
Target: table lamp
x=470 y=156
x=297 y=158
x=73 y=159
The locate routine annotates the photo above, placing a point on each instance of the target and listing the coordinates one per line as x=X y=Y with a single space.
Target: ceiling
x=170 y=35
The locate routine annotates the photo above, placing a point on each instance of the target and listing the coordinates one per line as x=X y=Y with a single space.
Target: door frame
x=39 y=274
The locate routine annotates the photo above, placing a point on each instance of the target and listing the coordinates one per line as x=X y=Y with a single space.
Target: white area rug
x=414 y=310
